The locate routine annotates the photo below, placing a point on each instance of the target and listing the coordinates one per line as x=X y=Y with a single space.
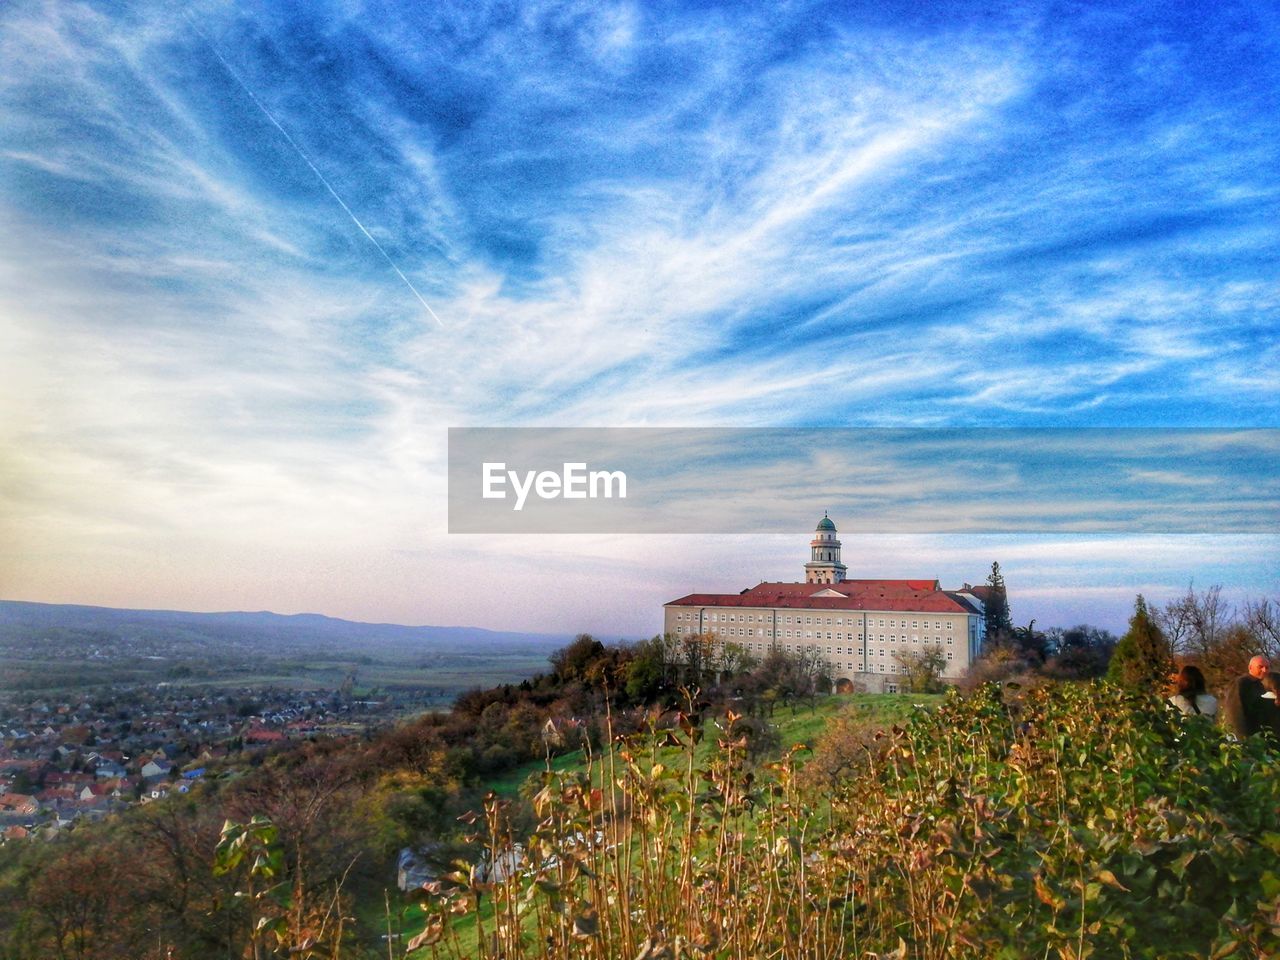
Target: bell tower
x=824 y=565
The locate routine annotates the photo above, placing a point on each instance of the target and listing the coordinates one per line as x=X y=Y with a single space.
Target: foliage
x=281 y=920
x=1068 y=822
x=1081 y=652
x=949 y=836
x=923 y=670
x=1142 y=659
x=1204 y=629
x=574 y=661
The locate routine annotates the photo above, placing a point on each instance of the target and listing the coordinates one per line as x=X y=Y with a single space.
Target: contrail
x=319 y=176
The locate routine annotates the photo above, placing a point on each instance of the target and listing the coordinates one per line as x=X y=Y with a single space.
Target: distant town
x=103 y=709
x=64 y=759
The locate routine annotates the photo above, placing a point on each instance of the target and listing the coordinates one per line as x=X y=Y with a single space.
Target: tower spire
x=824 y=564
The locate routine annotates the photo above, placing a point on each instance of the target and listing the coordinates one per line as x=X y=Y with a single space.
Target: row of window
x=818 y=620
x=815 y=635
x=761 y=648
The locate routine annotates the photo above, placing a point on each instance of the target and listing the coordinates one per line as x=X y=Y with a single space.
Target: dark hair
x=1271 y=682
x=1189 y=684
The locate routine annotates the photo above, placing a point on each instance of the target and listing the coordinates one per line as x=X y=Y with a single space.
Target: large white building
x=860 y=626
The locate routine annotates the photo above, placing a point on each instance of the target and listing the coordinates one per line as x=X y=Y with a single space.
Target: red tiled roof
x=18 y=803
x=921 y=596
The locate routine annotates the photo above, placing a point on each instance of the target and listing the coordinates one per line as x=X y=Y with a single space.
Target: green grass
x=803 y=725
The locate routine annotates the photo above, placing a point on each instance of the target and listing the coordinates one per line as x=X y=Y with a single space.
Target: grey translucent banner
x=776 y=480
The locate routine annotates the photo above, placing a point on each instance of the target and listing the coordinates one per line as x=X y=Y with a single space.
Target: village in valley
x=64 y=759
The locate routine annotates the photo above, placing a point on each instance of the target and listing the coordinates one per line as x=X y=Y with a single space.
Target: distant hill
x=259 y=632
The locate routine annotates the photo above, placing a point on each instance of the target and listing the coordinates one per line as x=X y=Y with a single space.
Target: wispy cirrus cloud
x=810 y=215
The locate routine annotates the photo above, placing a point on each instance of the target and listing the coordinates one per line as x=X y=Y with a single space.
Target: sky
x=256 y=259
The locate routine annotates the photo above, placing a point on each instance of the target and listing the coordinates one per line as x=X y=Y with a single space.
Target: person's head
x=1271 y=684
x=1259 y=667
x=1189 y=681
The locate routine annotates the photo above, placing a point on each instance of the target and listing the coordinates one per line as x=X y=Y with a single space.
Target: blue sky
x=219 y=224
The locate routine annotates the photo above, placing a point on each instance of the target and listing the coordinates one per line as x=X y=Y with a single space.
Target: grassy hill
x=1066 y=821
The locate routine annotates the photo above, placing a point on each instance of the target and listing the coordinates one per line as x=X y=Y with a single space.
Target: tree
x=996 y=607
x=698 y=655
x=1079 y=653
x=734 y=659
x=1195 y=622
x=1143 y=659
x=923 y=670
x=78 y=896
x=571 y=662
x=1262 y=617
x=646 y=673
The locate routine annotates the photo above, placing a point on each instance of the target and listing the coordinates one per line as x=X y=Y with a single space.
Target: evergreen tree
x=996 y=607
x=1143 y=658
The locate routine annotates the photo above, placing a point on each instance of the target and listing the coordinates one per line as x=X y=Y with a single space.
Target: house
x=156 y=791
x=19 y=804
x=416 y=866
x=156 y=769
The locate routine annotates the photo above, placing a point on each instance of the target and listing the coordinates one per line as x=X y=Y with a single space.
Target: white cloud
x=220 y=378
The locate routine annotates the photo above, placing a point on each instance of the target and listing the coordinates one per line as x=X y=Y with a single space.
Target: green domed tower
x=824 y=565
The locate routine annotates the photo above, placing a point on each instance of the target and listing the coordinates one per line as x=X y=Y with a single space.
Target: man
x=1244 y=708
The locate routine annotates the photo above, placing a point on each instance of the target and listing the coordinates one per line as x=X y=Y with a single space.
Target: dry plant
x=1065 y=821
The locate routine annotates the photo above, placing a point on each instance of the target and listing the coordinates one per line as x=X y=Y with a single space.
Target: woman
x=1190 y=696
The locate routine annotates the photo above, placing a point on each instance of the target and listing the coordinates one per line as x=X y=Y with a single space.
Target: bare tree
x=1196 y=623
x=1262 y=618
x=813 y=672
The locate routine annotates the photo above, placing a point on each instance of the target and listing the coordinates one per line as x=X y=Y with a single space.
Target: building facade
x=861 y=627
